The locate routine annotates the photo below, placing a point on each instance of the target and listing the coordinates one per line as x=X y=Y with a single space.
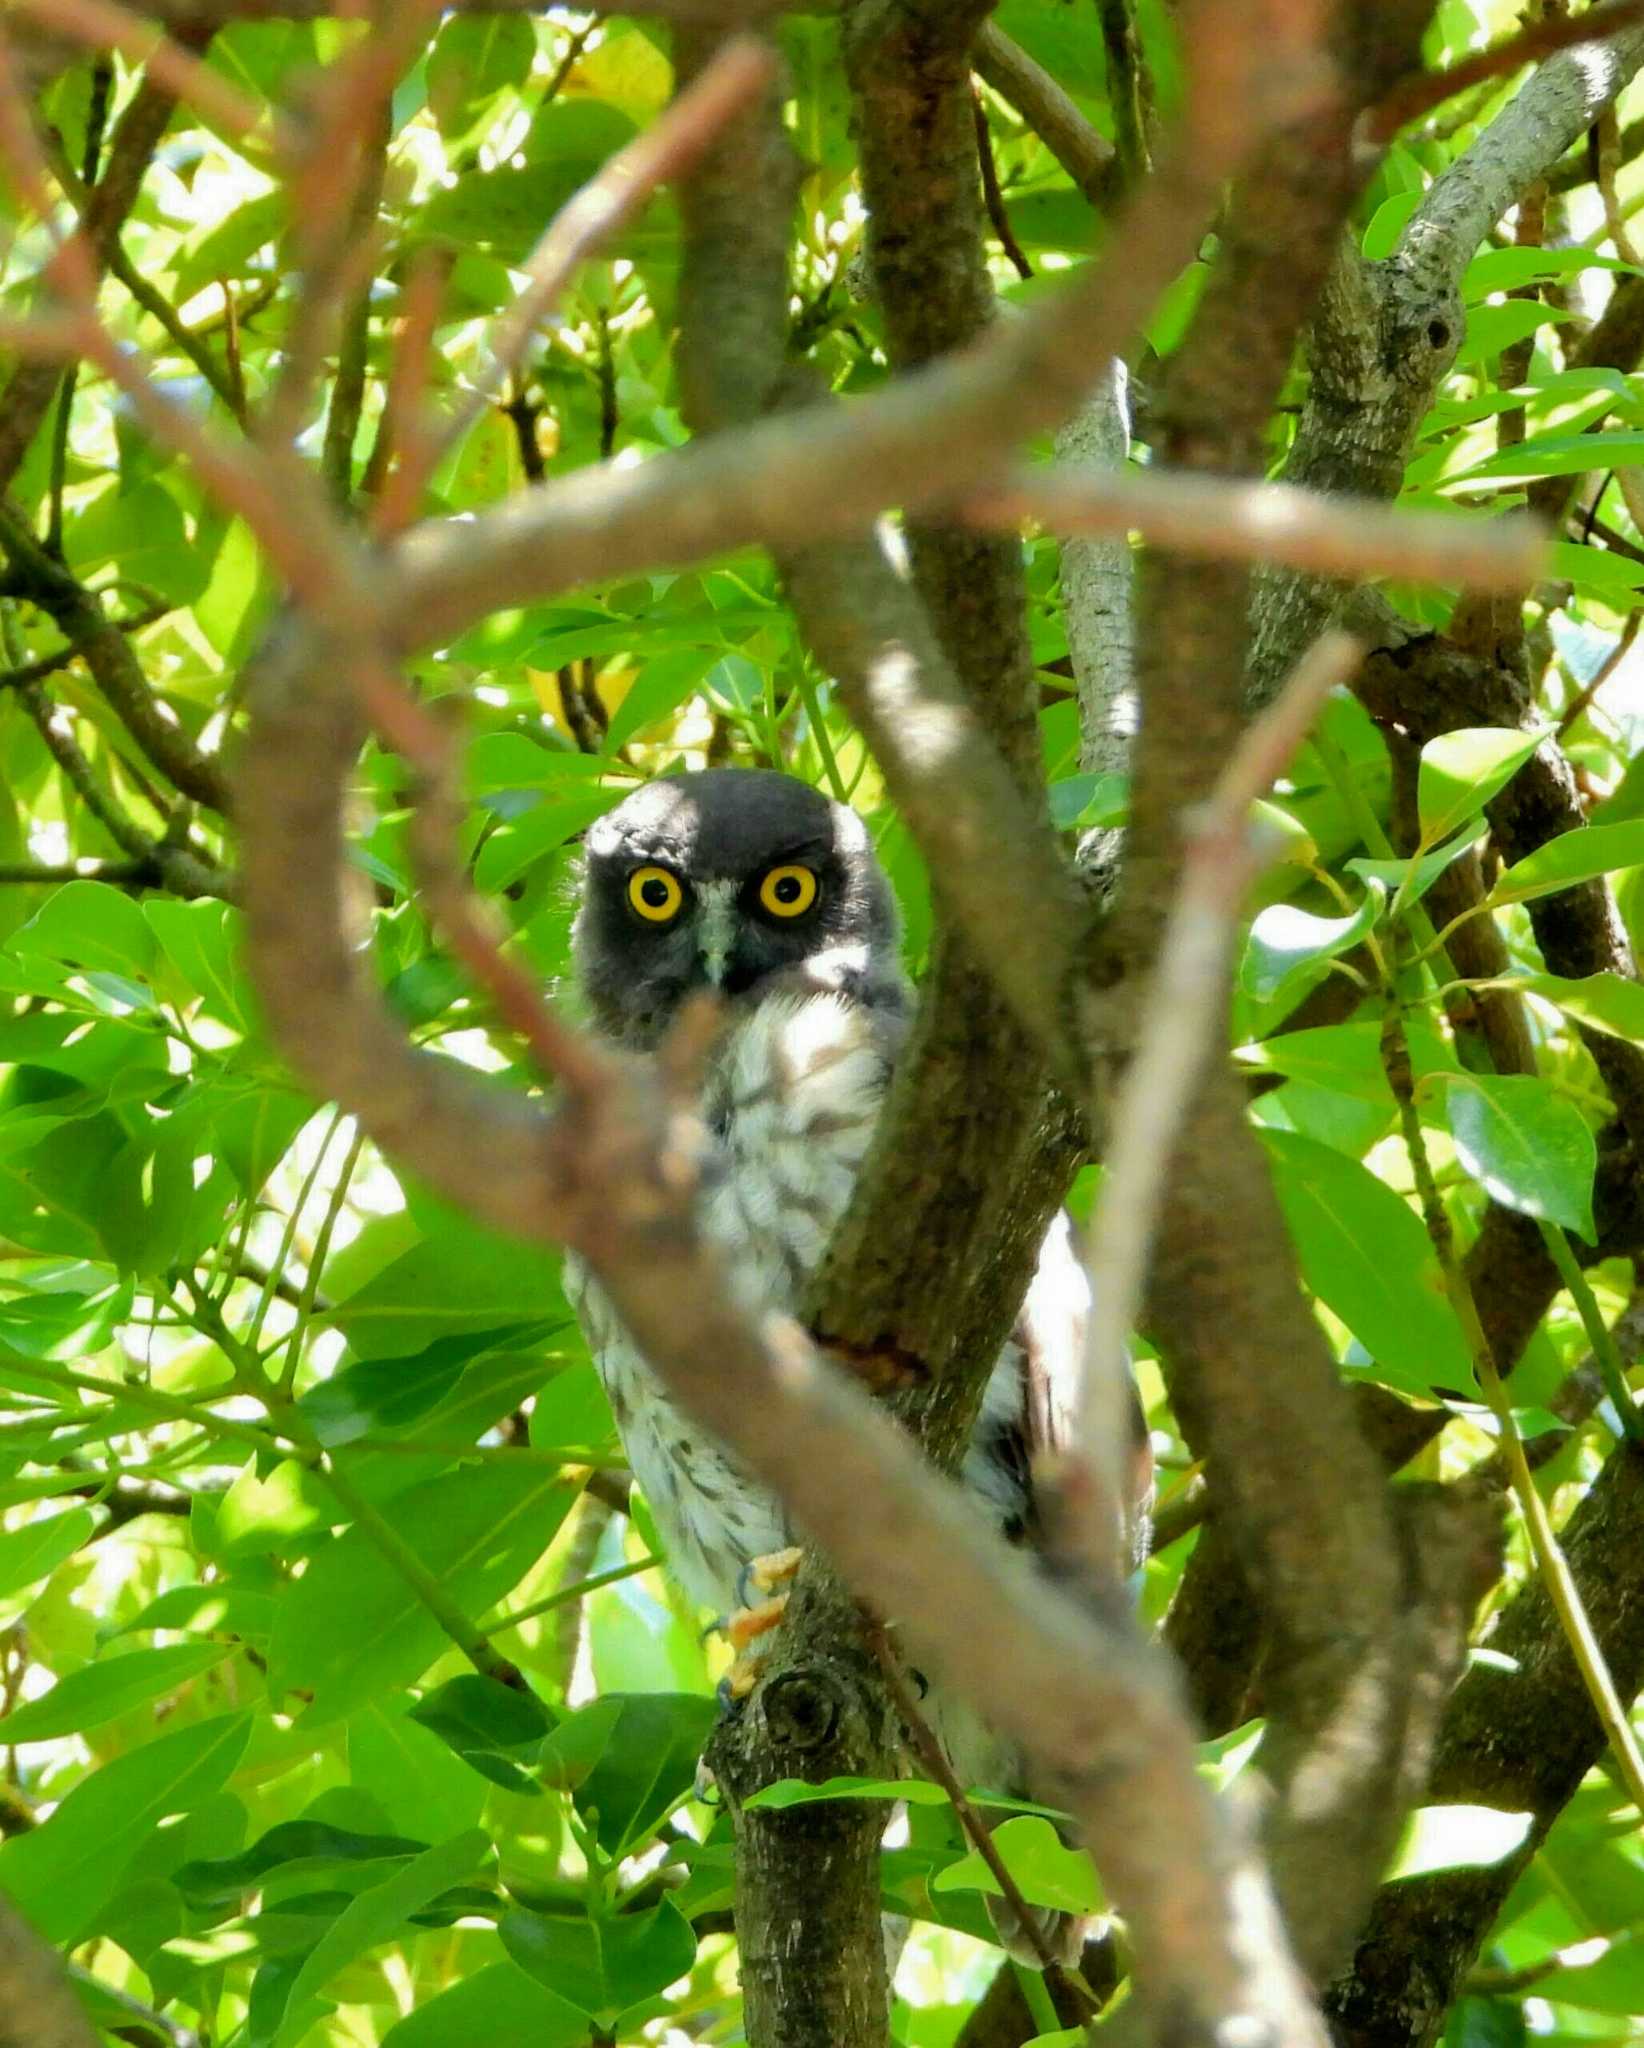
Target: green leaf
x=1410 y=880
x=1286 y=942
x=59 y=1874
x=503 y=210
x=203 y=941
x=112 y=1686
x=255 y=1129
x=473 y=59
x=1347 y=1058
x=1527 y=1146
x=1457 y=1837
x=258 y=1515
x=522 y=842
x=1490 y=329
x=493 y=1728
x=1047 y=1872
x=662 y=685
x=90 y=925
x=646 y=1766
x=69 y=1326
x=392 y=1394
x=461 y=1277
x=1388 y=224
x=1572 y=857
x=1504 y=270
x=141 y=535
x=1559 y=454
x=1612 y=1983
x=34 y=1552
x=352 y=1626
x=578 y=1743
x=501 y=2003
x=602 y=1966
x=786 y=1792
x=1365 y=1254
x=1461 y=771
x=216 y=1609
x=293 y=1847
x=376 y=1916
x=1608 y=1002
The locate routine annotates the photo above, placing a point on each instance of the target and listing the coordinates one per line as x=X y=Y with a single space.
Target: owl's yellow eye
x=788 y=891
x=655 y=894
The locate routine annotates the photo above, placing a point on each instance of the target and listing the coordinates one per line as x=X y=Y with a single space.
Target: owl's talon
x=763 y=1575
x=734 y=1688
x=748 y=1624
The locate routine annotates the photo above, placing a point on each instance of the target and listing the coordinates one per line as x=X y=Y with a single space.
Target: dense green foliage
x=283 y=1434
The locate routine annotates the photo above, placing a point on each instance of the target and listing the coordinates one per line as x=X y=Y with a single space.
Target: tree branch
x=1222 y=519
x=1084 y=153
x=1386 y=333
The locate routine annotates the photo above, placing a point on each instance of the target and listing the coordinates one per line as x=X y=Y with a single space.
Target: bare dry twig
x=667 y=149
x=1235 y=520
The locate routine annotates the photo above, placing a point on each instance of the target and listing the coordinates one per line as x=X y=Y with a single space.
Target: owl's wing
x=1048 y=1343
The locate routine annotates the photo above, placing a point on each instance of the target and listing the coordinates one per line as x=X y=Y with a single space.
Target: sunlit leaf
x=602 y=1966
x=1527 y=1145
x=1452 y=1837
x=110 y=1687
x=1047 y=1872
x=1461 y=771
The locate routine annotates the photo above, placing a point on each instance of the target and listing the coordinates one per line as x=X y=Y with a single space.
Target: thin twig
x=159 y=308
x=1606 y=669
x=429 y=1588
x=316 y=1265
x=934 y=1759
x=65 y=750
x=992 y=196
x=567 y=1596
x=410 y=454
x=472 y=929
x=1423 y=90
x=251 y=1337
x=334 y=197
x=1607 y=166
x=665 y=150
x=1606 y=1355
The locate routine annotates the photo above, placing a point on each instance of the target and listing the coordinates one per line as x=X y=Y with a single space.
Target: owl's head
x=728 y=880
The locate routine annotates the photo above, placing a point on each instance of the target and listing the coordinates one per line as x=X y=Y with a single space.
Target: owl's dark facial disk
x=726 y=880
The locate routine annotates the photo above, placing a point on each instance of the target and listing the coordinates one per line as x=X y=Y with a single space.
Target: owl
x=753 y=886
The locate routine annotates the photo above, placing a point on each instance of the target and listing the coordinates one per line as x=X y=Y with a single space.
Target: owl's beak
x=716 y=929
